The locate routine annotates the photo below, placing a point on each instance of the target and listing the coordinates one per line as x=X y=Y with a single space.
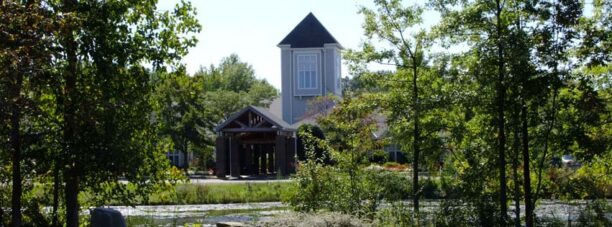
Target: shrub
x=394 y=166
x=430 y=189
x=378 y=156
x=452 y=212
x=313 y=180
x=301 y=151
x=397 y=214
x=596 y=214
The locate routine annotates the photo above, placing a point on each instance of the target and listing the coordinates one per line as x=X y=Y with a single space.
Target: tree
x=301 y=147
x=521 y=73
x=103 y=97
x=553 y=36
x=484 y=25
x=232 y=85
x=183 y=115
x=25 y=30
x=350 y=150
x=390 y=23
x=189 y=107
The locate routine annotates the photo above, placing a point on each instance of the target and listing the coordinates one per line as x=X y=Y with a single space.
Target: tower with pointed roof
x=310 y=67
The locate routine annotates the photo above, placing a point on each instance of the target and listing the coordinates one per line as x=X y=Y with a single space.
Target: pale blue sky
x=252 y=29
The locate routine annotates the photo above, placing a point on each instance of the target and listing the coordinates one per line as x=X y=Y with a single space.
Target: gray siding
x=286 y=89
x=295 y=101
x=299 y=107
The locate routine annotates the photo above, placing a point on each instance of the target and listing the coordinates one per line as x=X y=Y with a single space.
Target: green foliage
x=189 y=107
x=76 y=90
x=90 y=123
x=301 y=153
x=313 y=180
x=182 y=114
x=232 y=85
x=395 y=215
x=346 y=186
x=590 y=181
x=221 y=193
x=596 y=213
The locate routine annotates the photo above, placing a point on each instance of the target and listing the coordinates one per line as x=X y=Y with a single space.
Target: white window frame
x=307 y=71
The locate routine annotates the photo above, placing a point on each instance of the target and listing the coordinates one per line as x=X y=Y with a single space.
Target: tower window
x=307 y=71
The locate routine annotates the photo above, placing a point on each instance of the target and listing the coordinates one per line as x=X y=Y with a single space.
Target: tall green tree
x=232 y=85
x=189 y=107
x=183 y=114
x=350 y=150
x=391 y=23
x=553 y=39
x=103 y=96
x=521 y=73
x=484 y=25
x=24 y=55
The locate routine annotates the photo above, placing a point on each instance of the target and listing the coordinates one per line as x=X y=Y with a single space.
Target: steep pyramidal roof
x=308 y=33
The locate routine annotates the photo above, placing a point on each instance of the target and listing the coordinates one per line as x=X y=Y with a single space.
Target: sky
x=252 y=29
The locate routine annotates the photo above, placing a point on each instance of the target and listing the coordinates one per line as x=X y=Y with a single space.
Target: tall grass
x=222 y=193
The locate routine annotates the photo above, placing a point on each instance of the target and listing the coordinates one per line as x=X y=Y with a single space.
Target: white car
x=569 y=160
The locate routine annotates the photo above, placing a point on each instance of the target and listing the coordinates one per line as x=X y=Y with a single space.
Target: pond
x=210 y=214
x=198 y=215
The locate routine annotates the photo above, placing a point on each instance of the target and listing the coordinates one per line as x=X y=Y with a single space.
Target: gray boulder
x=106 y=217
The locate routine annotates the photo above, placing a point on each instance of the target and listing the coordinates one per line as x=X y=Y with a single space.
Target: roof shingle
x=308 y=33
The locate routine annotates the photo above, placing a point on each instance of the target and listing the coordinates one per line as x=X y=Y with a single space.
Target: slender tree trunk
x=526 y=173
x=501 y=96
x=16 y=148
x=71 y=196
x=416 y=140
x=553 y=111
x=551 y=124
x=516 y=151
x=71 y=189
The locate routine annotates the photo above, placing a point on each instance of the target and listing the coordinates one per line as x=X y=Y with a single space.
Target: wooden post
x=270 y=152
x=234 y=157
x=290 y=155
x=280 y=153
x=221 y=156
x=248 y=159
x=256 y=157
x=263 y=165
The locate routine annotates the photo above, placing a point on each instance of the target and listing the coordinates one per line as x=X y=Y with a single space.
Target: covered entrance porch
x=254 y=142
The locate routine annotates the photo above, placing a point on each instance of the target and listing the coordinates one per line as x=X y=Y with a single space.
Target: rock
x=231 y=224
x=103 y=217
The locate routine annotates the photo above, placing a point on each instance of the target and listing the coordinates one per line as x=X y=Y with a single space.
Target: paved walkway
x=243 y=179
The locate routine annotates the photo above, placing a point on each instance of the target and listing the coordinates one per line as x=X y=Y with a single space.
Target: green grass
x=222 y=193
x=188 y=193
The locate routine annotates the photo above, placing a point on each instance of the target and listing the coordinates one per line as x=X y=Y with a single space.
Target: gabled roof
x=308 y=33
x=276 y=122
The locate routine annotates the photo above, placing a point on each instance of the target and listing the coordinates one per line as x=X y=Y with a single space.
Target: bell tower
x=310 y=67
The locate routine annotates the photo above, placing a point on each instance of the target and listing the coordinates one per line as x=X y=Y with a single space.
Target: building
x=310 y=67
x=255 y=141
x=177 y=158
